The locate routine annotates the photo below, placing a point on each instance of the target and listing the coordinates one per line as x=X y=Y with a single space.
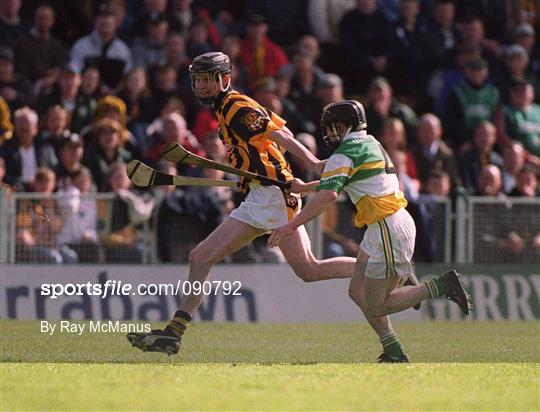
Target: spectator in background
x=438 y=184
x=106 y=150
x=104 y=50
x=184 y=12
x=6 y=126
x=424 y=210
x=70 y=155
x=527 y=183
x=129 y=210
x=431 y=153
x=12 y=27
x=514 y=160
x=225 y=21
x=231 y=46
x=524 y=36
x=329 y=90
x=515 y=66
x=490 y=181
x=134 y=91
x=408 y=69
x=286 y=19
x=175 y=55
x=91 y=88
x=112 y=107
x=79 y=213
x=39 y=55
x=497 y=16
x=520 y=120
x=53 y=127
x=470 y=102
x=199 y=42
x=381 y=105
x=150 y=10
x=309 y=46
x=304 y=80
x=165 y=86
x=174 y=130
x=38 y=224
x=393 y=138
x=409 y=185
x=72 y=20
x=124 y=20
x=264 y=92
x=148 y=50
x=261 y=56
x=441 y=37
x=441 y=86
x=16 y=89
x=480 y=154
x=324 y=18
x=23 y=156
x=499 y=238
x=473 y=34
x=366 y=39
x=66 y=94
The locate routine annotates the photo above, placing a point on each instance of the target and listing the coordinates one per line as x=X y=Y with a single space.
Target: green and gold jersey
x=362 y=168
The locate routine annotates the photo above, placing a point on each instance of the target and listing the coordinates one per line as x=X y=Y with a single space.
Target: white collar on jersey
x=352 y=135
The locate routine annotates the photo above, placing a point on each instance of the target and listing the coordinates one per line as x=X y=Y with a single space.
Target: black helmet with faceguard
x=212 y=64
x=349 y=113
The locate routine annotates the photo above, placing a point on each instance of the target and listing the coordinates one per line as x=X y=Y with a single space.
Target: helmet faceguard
x=213 y=65
x=348 y=113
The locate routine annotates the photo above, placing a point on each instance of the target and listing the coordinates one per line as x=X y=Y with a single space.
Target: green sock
x=391 y=345
x=436 y=287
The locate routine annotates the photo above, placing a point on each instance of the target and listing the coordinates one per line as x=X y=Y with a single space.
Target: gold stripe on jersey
x=371 y=209
x=346 y=171
x=369 y=165
x=245 y=128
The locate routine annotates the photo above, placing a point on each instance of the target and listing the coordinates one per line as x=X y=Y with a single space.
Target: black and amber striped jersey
x=244 y=129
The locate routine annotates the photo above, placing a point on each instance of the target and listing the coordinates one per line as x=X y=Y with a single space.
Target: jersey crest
x=254 y=121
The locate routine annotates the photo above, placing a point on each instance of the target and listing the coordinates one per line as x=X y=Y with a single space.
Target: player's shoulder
x=338 y=160
x=236 y=104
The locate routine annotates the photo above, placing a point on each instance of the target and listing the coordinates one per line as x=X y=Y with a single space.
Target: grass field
x=460 y=366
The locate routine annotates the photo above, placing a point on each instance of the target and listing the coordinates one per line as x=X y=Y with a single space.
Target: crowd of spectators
x=451 y=88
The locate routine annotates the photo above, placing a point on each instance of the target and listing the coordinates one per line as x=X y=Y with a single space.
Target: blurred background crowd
x=451 y=89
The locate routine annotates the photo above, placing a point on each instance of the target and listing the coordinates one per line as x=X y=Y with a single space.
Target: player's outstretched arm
x=284 y=138
x=314 y=208
x=299 y=186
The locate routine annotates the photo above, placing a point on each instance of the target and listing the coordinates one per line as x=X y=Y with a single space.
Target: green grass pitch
x=459 y=366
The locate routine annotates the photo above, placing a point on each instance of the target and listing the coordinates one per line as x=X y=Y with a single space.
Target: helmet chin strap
x=221 y=87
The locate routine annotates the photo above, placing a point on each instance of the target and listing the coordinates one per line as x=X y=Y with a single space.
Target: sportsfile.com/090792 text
x=120 y=288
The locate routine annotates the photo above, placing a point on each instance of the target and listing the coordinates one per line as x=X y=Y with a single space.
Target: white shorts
x=265 y=207
x=390 y=246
